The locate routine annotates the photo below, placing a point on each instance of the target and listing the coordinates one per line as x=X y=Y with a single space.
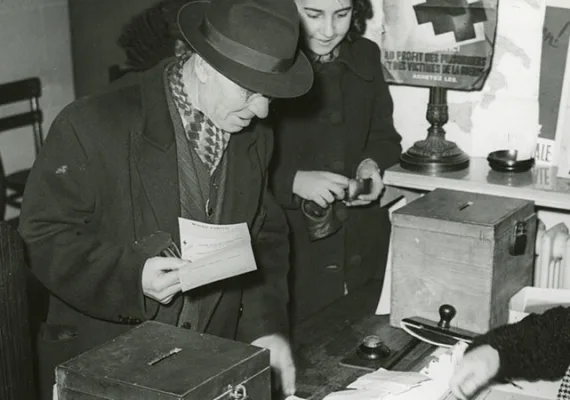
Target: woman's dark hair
x=150 y=36
x=361 y=12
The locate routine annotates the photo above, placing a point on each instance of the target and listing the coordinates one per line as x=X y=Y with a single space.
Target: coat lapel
x=154 y=154
x=244 y=177
x=191 y=197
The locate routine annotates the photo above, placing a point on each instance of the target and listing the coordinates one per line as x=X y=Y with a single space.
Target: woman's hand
x=322 y=187
x=368 y=169
x=474 y=371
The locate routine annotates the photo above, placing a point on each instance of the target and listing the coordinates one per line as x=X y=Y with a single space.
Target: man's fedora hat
x=252 y=42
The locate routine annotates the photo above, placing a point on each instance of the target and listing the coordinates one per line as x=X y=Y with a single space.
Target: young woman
x=341 y=130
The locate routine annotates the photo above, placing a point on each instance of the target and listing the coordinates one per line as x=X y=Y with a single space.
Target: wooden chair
x=29 y=90
x=16 y=363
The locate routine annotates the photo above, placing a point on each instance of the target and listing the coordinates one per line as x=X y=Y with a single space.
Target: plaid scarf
x=207 y=139
x=564 y=390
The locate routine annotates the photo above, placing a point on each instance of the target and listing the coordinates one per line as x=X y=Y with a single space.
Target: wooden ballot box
x=468 y=250
x=157 y=361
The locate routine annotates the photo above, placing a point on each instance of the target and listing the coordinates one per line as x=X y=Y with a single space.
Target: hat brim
x=293 y=83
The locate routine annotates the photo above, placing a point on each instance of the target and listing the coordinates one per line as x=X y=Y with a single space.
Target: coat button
x=332 y=267
x=240 y=310
x=187 y=325
x=355 y=260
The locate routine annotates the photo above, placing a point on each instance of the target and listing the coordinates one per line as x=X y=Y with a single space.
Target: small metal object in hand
x=356 y=187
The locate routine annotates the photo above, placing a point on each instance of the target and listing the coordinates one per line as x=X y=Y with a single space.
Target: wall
x=95 y=28
x=482 y=121
x=35 y=42
x=505 y=114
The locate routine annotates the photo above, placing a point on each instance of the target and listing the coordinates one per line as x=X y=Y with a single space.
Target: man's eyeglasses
x=249 y=94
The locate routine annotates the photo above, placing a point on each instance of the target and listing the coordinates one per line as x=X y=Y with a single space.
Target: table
x=540 y=184
x=324 y=339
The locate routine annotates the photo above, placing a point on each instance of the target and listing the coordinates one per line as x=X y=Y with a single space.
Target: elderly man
x=183 y=139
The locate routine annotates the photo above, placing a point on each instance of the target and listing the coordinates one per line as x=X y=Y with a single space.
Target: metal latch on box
x=238 y=393
x=519 y=239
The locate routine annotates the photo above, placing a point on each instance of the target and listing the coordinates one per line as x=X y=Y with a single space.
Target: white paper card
x=391 y=381
x=216 y=252
x=199 y=239
x=536 y=300
x=384 y=305
x=393 y=385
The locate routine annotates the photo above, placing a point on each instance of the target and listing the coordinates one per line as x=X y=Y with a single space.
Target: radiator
x=552 y=264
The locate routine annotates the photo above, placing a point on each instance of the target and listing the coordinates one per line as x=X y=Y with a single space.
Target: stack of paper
x=216 y=252
x=431 y=383
x=444 y=362
x=383 y=384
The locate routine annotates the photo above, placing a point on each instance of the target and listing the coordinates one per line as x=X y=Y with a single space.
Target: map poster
x=562 y=140
x=555 y=40
x=442 y=43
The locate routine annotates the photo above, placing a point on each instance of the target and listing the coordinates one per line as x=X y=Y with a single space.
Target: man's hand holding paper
x=160 y=279
x=215 y=252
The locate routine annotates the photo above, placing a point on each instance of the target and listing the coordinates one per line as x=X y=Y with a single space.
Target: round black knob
x=446 y=314
x=372 y=348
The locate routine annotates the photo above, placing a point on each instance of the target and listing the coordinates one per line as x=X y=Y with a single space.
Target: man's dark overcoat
x=106 y=179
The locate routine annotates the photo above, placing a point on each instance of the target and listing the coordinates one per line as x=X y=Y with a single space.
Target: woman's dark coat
x=346 y=118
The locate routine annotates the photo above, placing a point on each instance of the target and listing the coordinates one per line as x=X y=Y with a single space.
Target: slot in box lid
x=463 y=213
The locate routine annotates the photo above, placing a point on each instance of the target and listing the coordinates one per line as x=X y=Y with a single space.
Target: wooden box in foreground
x=469 y=250
x=134 y=366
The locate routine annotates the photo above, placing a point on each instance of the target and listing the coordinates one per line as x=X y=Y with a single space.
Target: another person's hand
x=281 y=360
x=160 y=280
x=474 y=371
x=322 y=187
x=368 y=169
